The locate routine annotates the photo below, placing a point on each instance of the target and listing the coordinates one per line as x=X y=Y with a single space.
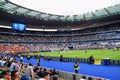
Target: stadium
x=50 y=41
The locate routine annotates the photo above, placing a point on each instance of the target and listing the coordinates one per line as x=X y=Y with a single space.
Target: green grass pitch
x=97 y=53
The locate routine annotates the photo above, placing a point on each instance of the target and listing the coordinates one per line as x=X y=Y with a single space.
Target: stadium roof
x=65 y=7
x=44 y=18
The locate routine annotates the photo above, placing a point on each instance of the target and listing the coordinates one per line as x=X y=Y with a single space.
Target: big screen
x=19 y=26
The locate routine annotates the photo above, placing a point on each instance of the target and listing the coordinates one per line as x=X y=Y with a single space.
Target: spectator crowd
x=33 y=41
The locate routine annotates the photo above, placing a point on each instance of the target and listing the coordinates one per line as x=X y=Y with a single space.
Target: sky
x=66 y=7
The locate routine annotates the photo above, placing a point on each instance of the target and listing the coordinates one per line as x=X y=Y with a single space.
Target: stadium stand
x=28 y=41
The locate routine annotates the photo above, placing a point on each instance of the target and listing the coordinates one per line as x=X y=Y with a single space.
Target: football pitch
x=97 y=53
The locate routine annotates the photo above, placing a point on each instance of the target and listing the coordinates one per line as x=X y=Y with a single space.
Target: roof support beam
x=25 y=13
x=107 y=11
x=58 y=18
x=3 y=3
x=47 y=18
x=93 y=14
x=74 y=17
x=13 y=9
x=84 y=17
x=66 y=18
x=38 y=16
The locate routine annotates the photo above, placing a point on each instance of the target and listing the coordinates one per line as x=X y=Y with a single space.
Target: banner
x=97 y=61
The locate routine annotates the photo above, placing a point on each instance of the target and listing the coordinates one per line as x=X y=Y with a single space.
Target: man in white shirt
x=29 y=70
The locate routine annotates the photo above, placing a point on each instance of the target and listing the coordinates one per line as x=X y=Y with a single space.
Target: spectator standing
x=76 y=67
x=29 y=70
x=38 y=61
x=21 y=58
x=91 y=60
